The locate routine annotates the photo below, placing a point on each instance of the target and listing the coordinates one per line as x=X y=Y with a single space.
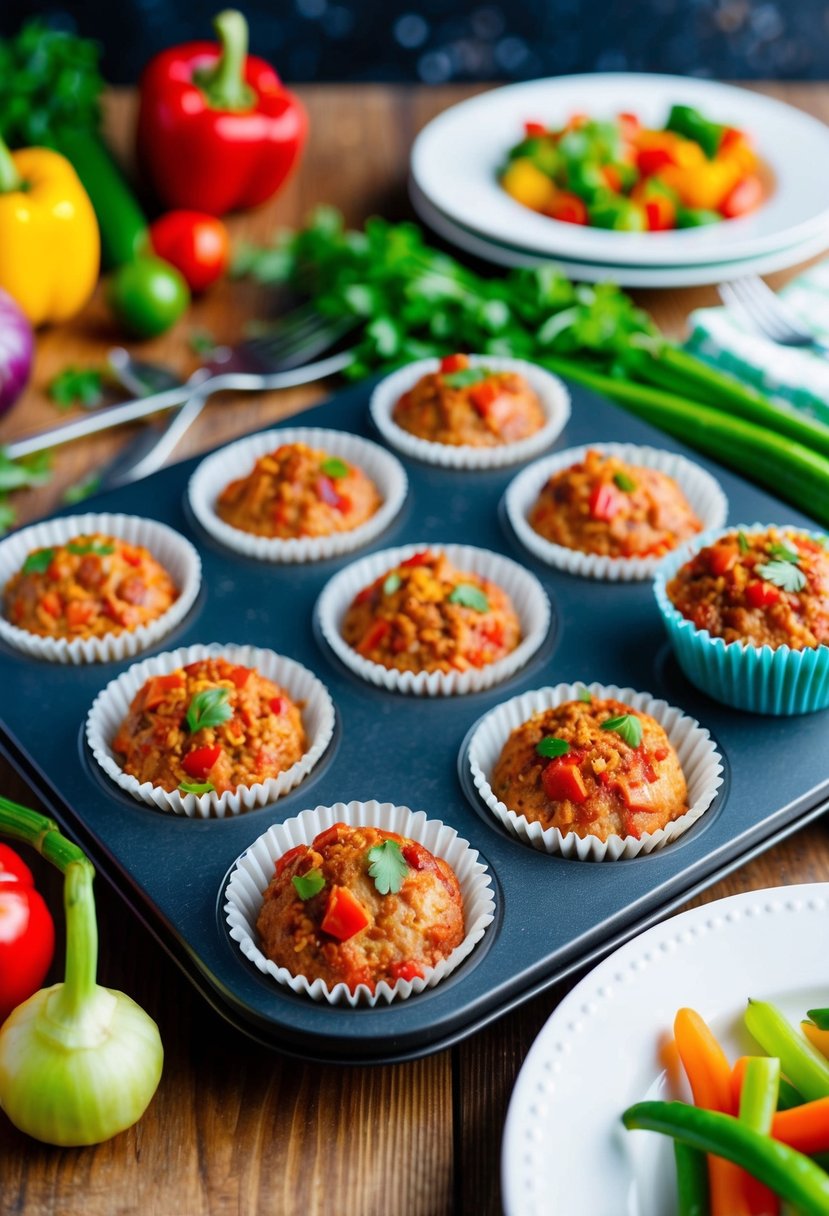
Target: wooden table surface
x=235 y=1130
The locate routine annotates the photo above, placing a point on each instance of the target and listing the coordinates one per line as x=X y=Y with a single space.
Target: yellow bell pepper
x=527 y=184
x=50 y=248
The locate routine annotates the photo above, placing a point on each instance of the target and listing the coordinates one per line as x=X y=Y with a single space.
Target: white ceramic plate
x=564 y=1147
x=456 y=157
x=625 y=276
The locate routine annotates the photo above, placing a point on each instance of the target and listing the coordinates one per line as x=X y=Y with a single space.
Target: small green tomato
x=147 y=296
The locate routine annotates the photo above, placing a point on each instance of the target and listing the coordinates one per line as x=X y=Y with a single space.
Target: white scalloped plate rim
x=765 y=944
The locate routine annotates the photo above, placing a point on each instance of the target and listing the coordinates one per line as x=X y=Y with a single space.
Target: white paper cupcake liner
x=237 y=459
x=112 y=704
x=528 y=597
x=700 y=761
x=254 y=870
x=176 y=555
x=702 y=491
x=551 y=392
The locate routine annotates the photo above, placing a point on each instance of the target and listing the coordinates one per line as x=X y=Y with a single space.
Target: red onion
x=17 y=345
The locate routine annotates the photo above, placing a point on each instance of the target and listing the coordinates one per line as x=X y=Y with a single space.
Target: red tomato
x=196 y=244
x=27 y=934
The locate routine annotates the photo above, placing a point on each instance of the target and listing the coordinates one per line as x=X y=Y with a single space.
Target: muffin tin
x=552 y=914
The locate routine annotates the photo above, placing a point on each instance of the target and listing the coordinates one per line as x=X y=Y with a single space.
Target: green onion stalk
x=78 y=1063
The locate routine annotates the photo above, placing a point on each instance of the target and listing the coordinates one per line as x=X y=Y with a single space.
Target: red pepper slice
x=418 y=559
x=651 y=160
x=50 y=603
x=454 y=363
x=374 y=636
x=329 y=836
x=239 y=676
x=286 y=858
x=721 y=558
x=532 y=128
x=407 y=970
x=157 y=688
x=761 y=594
x=80 y=613
x=563 y=782
x=278 y=705
x=482 y=395
x=344 y=915
x=660 y=213
x=198 y=763
x=605 y=502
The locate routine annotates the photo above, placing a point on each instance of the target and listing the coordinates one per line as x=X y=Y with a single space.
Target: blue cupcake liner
x=760 y=679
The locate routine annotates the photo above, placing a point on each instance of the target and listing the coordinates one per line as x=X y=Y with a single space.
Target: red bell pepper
x=198 y=763
x=344 y=916
x=563 y=781
x=605 y=502
x=27 y=933
x=761 y=594
x=217 y=130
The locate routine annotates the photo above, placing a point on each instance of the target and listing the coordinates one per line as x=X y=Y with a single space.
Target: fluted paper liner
x=528 y=598
x=254 y=870
x=237 y=460
x=702 y=491
x=551 y=392
x=175 y=554
x=759 y=679
x=698 y=757
x=112 y=705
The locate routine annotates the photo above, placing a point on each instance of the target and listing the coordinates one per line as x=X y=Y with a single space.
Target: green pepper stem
x=81 y=941
x=40 y=832
x=224 y=84
x=10 y=179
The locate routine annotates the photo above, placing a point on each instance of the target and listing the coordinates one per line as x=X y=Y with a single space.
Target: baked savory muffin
x=212 y=725
x=88 y=587
x=424 y=615
x=360 y=905
x=594 y=767
x=604 y=506
x=470 y=406
x=297 y=491
x=768 y=588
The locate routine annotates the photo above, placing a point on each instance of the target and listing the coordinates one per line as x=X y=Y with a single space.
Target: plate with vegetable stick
x=688 y=1074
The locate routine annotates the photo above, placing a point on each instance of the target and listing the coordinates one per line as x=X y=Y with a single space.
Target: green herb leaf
x=785 y=575
x=334 y=467
x=8 y=515
x=30 y=471
x=201 y=342
x=82 y=489
x=627 y=727
x=197 y=787
x=91 y=546
x=742 y=541
x=469 y=596
x=38 y=562
x=77 y=386
x=551 y=747
x=624 y=482
x=391 y=583
x=387 y=866
x=209 y=708
x=782 y=553
x=584 y=694
x=465 y=377
x=310 y=884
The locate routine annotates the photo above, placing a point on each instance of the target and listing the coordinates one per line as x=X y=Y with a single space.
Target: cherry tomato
x=27 y=933
x=196 y=244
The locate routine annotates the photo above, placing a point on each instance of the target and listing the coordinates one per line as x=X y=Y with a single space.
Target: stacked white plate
x=455 y=190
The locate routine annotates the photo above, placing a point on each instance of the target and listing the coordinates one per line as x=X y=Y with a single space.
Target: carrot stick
x=805 y=1127
x=709 y=1075
x=818 y=1038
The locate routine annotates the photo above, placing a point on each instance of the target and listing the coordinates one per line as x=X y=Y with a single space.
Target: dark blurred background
x=441 y=40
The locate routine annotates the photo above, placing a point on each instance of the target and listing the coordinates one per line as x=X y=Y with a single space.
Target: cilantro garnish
x=466 y=377
x=391 y=583
x=627 y=727
x=584 y=694
x=782 y=553
x=82 y=489
x=310 y=884
x=783 y=574
x=39 y=561
x=742 y=542
x=91 y=546
x=551 y=746
x=334 y=467
x=197 y=787
x=387 y=866
x=624 y=482
x=76 y=386
x=469 y=596
x=209 y=708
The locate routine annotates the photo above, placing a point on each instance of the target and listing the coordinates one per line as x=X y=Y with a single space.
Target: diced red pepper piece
x=330 y=495
x=418 y=559
x=651 y=160
x=157 y=688
x=563 y=781
x=278 y=705
x=638 y=795
x=605 y=502
x=286 y=858
x=375 y=635
x=367 y=592
x=721 y=558
x=660 y=213
x=454 y=363
x=568 y=208
x=344 y=916
x=760 y=594
x=661 y=753
x=50 y=603
x=131 y=556
x=80 y=613
x=532 y=128
x=629 y=125
x=575 y=121
x=198 y=763
x=731 y=136
x=407 y=970
x=745 y=196
x=328 y=836
x=482 y=395
x=239 y=676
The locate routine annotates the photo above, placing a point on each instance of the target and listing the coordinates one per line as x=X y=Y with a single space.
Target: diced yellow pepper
x=703 y=187
x=818 y=1038
x=525 y=182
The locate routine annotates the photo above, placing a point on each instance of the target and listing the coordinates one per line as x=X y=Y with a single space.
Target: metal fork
x=766 y=312
x=282 y=360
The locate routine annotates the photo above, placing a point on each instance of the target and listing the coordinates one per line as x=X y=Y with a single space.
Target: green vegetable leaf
x=584 y=694
x=49 y=80
x=387 y=866
x=469 y=596
x=783 y=574
x=310 y=884
x=209 y=708
x=202 y=342
x=19 y=474
x=91 y=546
x=392 y=582
x=77 y=386
x=334 y=467
x=551 y=747
x=627 y=727
x=197 y=787
x=38 y=562
x=742 y=541
x=8 y=515
x=465 y=377
x=625 y=483
x=782 y=553
x=82 y=489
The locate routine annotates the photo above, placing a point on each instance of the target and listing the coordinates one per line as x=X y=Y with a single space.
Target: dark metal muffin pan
x=552 y=914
